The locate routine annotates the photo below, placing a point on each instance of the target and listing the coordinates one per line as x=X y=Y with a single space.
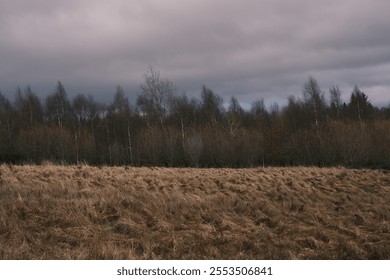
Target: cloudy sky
x=250 y=48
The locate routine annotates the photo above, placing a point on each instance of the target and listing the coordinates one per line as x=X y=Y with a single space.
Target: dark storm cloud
x=251 y=49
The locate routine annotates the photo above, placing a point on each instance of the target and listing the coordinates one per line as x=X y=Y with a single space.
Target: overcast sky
x=250 y=48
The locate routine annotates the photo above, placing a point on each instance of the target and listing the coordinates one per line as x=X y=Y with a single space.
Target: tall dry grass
x=83 y=212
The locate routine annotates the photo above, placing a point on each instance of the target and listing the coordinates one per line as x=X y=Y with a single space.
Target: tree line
x=166 y=129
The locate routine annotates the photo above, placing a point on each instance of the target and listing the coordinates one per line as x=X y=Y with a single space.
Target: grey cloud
x=248 y=48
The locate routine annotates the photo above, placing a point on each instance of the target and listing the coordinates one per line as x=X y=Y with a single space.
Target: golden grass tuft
x=84 y=212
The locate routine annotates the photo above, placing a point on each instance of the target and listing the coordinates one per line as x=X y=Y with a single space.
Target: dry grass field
x=83 y=212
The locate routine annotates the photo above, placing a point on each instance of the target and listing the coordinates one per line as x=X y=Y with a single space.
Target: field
x=84 y=212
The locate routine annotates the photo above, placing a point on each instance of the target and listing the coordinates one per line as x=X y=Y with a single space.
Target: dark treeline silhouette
x=165 y=129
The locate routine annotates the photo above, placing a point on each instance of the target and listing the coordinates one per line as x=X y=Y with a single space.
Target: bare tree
x=335 y=100
x=80 y=107
x=233 y=116
x=258 y=108
x=7 y=129
x=58 y=108
x=314 y=99
x=28 y=107
x=120 y=105
x=211 y=106
x=360 y=107
x=119 y=127
x=156 y=95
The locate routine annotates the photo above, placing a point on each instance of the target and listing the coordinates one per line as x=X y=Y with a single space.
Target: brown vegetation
x=83 y=212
